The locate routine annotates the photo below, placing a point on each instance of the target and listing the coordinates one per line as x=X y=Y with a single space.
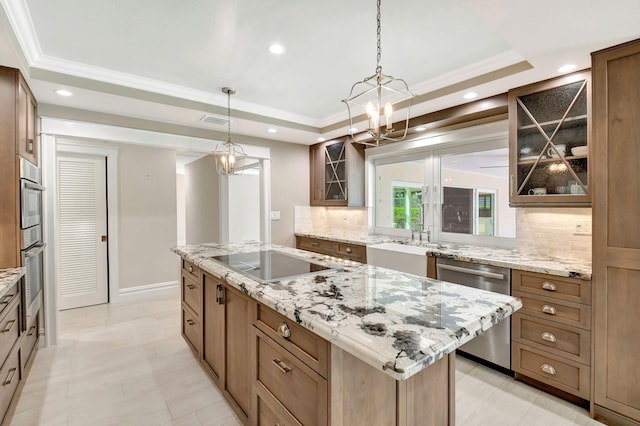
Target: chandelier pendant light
x=229 y=156
x=380 y=96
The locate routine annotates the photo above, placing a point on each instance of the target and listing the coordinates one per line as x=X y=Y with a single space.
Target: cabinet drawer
x=8 y=298
x=191 y=330
x=271 y=412
x=316 y=245
x=29 y=340
x=352 y=251
x=299 y=389
x=311 y=349
x=9 y=329
x=571 y=289
x=573 y=343
x=192 y=294
x=191 y=270
x=570 y=313
x=555 y=371
x=9 y=379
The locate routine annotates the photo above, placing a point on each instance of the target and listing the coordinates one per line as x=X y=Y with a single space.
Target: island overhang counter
x=391 y=336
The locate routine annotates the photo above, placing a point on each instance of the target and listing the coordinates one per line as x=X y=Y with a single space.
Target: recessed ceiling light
x=64 y=92
x=272 y=130
x=470 y=95
x=321 y=139
x=567 y=68
x=420 y=129
x=276 y=48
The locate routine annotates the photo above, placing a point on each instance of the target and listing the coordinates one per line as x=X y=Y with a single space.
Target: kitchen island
x=391 y=336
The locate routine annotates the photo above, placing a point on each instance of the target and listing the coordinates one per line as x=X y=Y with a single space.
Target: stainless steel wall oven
x=31 y=244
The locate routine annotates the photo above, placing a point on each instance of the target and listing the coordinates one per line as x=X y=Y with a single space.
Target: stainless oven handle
x=473 y=272
x=35 y=250
x=31 y=185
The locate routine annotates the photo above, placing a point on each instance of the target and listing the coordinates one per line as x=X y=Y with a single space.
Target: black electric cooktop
x=269 y=265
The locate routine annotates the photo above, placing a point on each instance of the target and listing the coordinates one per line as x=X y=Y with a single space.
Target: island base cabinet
x=426 y=398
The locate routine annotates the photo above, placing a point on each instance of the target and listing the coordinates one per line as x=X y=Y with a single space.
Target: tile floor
x=126 y=364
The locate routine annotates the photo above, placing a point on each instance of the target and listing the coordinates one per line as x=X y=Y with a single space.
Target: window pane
x=399 y=194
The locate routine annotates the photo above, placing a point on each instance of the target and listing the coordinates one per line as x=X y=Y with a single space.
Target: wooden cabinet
x=18 y=136
x=213 y=322
x=237 y=355
x=191 y=278
x=226 y=320
x=551 y=334
x=291 y=372
x=26 y=135
x=337 y=173
x=616 y=234
x=10 y=342
x=549 y=142
x=349 y=251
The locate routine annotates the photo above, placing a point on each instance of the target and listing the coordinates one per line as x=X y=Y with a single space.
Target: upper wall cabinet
x=337 y=173
x=26 y=134
x=549 y=142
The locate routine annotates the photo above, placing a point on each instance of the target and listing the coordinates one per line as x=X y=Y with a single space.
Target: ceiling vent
x=216 y=121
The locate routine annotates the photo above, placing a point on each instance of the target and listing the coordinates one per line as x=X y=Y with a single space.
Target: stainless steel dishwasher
x=494 y=345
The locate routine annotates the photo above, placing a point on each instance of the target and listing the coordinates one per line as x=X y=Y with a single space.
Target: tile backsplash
x=331 y=220
x=558 y=232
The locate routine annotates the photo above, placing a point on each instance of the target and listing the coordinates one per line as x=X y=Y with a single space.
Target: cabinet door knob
x=548 y=369
x=548 y=309
x=283 y=330
x=6 y=299
x=348 y=250
x=190 y=322
x=191 y=286
x=549 y=286
x=190 y=268
x=549 y=337
x=282 y=366
x=219 y=294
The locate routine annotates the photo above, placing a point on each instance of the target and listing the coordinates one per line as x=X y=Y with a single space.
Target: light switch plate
x=275 y=215
x=582 y=227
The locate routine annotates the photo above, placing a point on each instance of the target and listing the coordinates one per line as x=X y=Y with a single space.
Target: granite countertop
x=513 y=259
x=396 y=322
x=8 y=277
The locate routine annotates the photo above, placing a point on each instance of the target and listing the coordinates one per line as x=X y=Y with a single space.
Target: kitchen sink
x=401 y=257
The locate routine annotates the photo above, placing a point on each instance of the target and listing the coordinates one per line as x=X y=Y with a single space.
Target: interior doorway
x=82 y=242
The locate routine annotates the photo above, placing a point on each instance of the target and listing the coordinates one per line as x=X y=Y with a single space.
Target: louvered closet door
x=82 y=231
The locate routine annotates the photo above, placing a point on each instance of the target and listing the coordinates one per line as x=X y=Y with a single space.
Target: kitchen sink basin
x=401 y=257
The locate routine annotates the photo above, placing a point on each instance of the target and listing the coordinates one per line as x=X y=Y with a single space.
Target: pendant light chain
x=378 y=67
x=229 y=116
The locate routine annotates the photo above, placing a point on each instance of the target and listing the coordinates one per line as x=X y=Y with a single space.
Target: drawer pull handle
x=546 y=368
x=548 y=309
x=190 y=268
x=190 y=322
x=191 y=286
x=282 y=366
x=348 y=250
x=549 y=286
x=10 y=375
x=549 y=337
x=219 y=294
x=6 y=299
x=31 y=330
x=8 y=326
x=315 y=244
x=284 y=331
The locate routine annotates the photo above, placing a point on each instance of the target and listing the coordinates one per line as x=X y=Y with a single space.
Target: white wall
x=147 y=215
x=244 y=207
x=202 y=201
x=181 y=208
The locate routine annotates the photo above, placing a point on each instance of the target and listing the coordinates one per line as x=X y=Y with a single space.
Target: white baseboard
x=145 y=288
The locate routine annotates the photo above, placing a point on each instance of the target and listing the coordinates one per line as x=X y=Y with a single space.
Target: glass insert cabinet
x=337 y=173
x=549 y=142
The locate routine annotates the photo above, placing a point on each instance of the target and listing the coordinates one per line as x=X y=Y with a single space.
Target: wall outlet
x=582 y=228
x=275 y=215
